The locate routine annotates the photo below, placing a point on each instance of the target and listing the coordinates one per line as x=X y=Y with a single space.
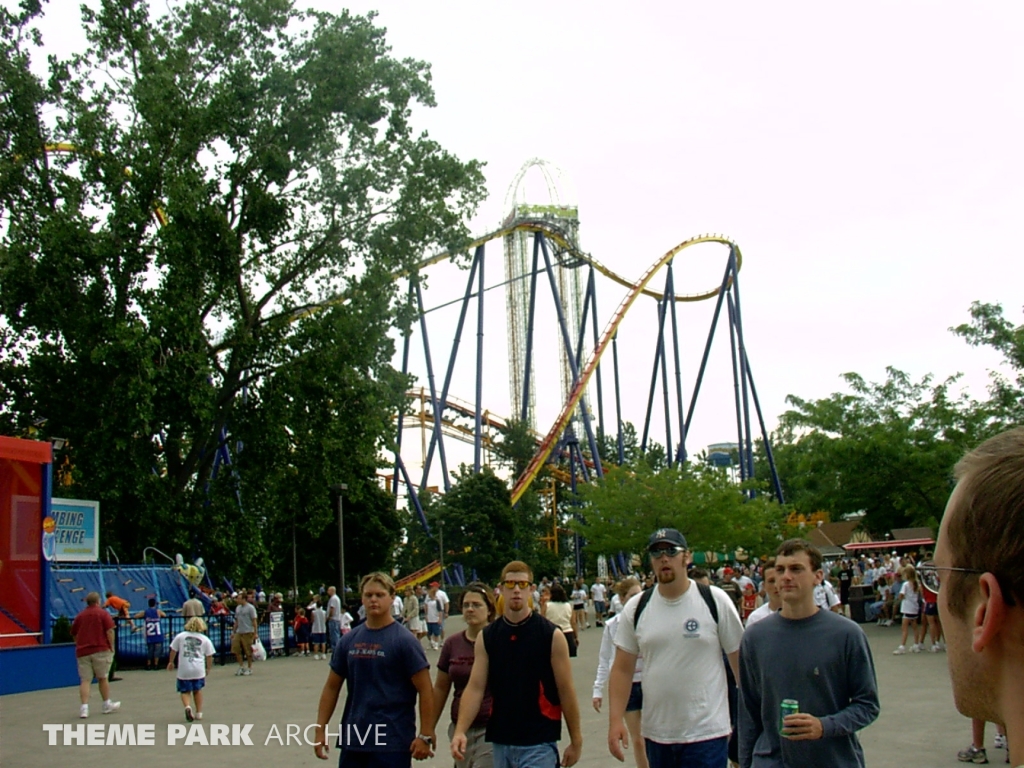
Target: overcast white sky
x=867 y=159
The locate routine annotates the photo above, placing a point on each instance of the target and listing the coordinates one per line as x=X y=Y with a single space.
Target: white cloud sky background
x=867 y=159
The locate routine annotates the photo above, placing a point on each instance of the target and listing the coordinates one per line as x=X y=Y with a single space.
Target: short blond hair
x=381 y=578
x=195 y=624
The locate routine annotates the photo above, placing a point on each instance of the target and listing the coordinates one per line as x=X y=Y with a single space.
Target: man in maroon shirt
x=93 y=630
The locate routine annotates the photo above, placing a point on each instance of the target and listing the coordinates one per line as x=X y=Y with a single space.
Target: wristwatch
x=426 y=739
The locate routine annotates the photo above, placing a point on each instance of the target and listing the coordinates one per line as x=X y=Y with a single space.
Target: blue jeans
x=534 y=756
x=712 y=753
x=334 y=633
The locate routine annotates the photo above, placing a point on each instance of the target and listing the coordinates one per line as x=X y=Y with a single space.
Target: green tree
x=702 y=501
x=887 y=449
x=277 y=150
x=990 y=328
x=481 y=529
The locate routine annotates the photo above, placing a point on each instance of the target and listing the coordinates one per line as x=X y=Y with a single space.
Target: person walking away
x=318 y=630
x=807 y=679
x=154 y=628
x=93 y=633
x=523 y=660
x=564 y=616
x=579 y=604
x=454 y=667
x=195 y=658
x=333 y=617
x=300 y=626
x=384 y=670
x=625 y=589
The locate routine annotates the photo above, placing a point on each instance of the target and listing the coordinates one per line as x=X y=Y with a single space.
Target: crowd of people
x=760 y=669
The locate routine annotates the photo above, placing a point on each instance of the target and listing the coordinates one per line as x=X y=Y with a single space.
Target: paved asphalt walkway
x=918 y=727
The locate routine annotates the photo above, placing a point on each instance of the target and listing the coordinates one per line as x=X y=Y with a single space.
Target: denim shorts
x=534 y=756
x=190 y=686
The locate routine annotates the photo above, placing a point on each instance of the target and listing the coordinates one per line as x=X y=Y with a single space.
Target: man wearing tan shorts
x=93 y=631
x=245 y=633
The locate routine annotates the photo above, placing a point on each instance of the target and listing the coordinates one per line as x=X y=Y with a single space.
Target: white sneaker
x=941 y=645
x=240 y=671
x=199 y=715
x=83 y=711
x=915 y=648
x=1000 y=741
x=900 y=651
x=111 y=706
x=247 y=671
x=316 y=656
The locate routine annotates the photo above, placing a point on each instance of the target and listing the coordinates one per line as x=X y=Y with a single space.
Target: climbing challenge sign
x=76 y=530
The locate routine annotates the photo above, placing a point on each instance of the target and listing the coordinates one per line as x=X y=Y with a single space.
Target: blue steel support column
x=742 y=348
x=413 y=497
x=583 y=320
x=681 y=453
x=707 y=346
x=433 y=392
x=401 y=413
x=618 y=400
x=529 y=331
x=597 y=371
x=659 y=348
x=567 y=341
x=764 y=436
x=664 y=367
x=736 y=387
x=478 y=432
x=577 y=539
x=478 y=257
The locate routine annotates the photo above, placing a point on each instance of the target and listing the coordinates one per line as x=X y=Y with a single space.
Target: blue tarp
x=135 y=583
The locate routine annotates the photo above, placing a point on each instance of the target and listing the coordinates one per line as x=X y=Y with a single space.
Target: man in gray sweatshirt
x=818 y=659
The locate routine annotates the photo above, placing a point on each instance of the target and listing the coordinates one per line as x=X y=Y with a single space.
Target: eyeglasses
x=929 y=574
x=509 y=584
x=656 y=552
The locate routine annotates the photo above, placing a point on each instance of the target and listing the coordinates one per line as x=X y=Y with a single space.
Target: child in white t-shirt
x=195 y=656
x=346 y=622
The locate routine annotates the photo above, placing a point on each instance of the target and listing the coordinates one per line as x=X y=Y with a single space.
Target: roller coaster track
x=635 y=290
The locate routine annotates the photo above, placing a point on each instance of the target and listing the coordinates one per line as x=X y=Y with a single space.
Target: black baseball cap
x=667 y=536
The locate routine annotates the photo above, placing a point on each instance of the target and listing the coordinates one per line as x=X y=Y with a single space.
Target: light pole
x=339 y=491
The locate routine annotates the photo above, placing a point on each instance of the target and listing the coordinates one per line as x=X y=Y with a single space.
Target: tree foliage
x=990 y=328
x=702 y=501
x=278 y=150
x=884 y=448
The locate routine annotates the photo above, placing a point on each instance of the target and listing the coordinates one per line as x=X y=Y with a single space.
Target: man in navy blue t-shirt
x=386 y=669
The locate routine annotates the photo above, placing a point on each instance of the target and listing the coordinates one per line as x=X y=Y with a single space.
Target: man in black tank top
x=523 y=659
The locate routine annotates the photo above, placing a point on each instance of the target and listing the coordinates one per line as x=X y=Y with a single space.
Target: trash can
x=859 y=597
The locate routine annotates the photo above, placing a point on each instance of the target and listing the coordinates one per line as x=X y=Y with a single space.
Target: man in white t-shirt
x=598 y=592
x=333 y=618
x=685 y=716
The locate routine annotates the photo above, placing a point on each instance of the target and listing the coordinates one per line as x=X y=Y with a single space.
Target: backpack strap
x=709 y=599
x=705 y=592
x=645 y=598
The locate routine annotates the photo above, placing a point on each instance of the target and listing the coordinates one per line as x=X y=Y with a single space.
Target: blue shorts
x=636 y=698
x=599 y=606
x=712 y=753
x=433 y=630
x=318 y=638
x=190 y=686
